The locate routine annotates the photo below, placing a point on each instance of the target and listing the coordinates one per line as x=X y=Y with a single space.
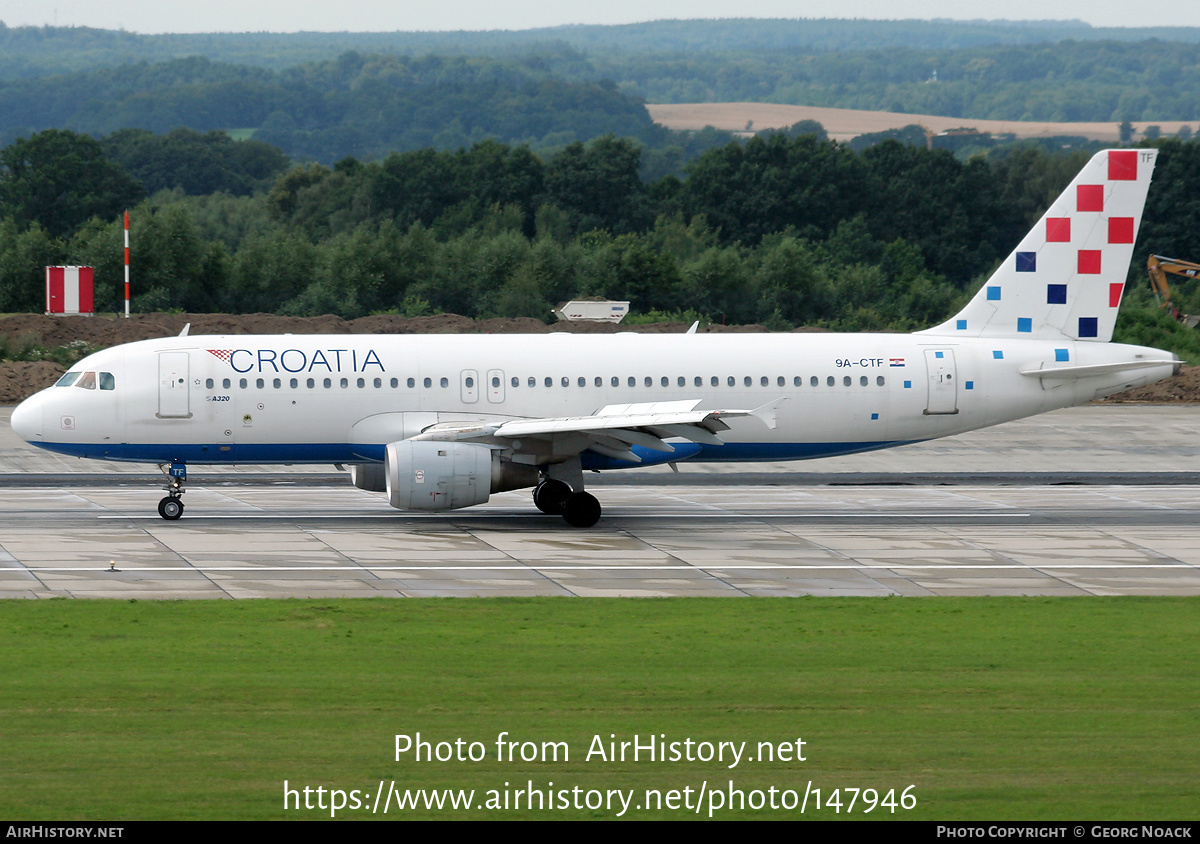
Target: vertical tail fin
x=1067 y=276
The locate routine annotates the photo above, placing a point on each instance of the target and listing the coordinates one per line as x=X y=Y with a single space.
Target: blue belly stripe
x=363 y=453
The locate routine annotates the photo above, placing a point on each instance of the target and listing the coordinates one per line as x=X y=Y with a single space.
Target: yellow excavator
x=1159 y=266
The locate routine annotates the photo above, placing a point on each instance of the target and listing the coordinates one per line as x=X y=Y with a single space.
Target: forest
x=367 y=174
x=368 y=95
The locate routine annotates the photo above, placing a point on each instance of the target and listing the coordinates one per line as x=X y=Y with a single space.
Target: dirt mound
x=1184 y=387
x=20 y=380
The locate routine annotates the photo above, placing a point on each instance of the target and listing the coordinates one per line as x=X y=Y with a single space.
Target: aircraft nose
x=26 y=420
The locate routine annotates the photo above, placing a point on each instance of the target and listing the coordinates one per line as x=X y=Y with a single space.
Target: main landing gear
x=556 y=498
x=171 y=507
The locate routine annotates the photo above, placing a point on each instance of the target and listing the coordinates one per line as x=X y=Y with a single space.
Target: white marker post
x=126 y=265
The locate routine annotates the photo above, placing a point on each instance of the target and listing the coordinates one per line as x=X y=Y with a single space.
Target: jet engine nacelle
x=369 y=476
x=430 y=475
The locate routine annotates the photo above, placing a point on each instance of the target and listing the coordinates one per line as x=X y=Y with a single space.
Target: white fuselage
x=343 y=398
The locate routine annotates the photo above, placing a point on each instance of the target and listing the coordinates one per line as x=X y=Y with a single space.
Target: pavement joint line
x=186 y=562
x=683 y=566
x=764 y=517
x=517 y=564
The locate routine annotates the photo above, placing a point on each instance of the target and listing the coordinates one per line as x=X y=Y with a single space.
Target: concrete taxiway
x=1094 y=500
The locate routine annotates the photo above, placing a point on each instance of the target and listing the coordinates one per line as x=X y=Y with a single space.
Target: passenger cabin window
x=208 y=383
x=226 y=383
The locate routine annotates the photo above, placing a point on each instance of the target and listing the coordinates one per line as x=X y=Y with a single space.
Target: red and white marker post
x=126 y=265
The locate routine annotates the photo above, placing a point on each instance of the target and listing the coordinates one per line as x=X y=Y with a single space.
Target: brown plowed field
x=842 y=124
x=19 y=380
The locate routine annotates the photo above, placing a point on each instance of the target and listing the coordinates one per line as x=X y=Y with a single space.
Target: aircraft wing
x=610 y=431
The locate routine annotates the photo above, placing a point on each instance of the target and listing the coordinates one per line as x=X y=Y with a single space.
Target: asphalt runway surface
x=1090 y=501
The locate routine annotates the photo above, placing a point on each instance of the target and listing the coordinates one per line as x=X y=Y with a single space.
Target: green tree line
x=784 y=231
x=27 y=51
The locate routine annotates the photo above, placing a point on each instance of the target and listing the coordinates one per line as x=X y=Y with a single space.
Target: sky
x=155 y=16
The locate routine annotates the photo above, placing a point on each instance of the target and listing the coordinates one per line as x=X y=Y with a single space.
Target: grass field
x=1071 y=708
x=843 y=124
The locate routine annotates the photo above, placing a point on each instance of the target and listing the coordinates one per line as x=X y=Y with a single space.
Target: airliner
x=441 y=422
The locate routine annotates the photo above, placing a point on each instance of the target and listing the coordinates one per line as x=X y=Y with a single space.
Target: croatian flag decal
x=896 y=361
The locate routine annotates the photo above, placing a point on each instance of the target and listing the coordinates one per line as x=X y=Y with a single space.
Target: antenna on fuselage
x=186 y=329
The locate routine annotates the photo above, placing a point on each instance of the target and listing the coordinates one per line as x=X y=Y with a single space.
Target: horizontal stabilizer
x=1068 y=373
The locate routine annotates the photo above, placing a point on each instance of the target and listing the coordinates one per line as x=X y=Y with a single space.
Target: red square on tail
x=1058 y=229
x=1122 y=165
x=1114 y=294
x=1090 y=198
x=1089 y=261
x=1120 y=229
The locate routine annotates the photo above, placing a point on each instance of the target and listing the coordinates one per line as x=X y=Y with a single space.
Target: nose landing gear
x=171 y=507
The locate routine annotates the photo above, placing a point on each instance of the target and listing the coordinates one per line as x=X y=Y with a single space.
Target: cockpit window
x=107 y=381
x=68 y=379
x=87 y=381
